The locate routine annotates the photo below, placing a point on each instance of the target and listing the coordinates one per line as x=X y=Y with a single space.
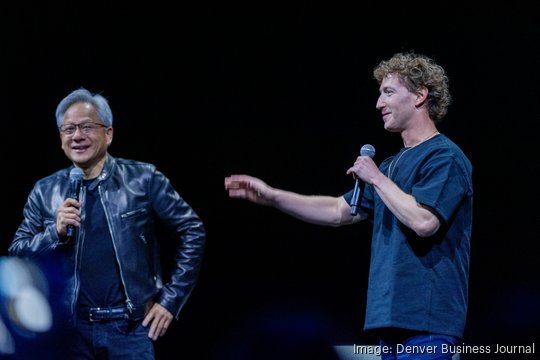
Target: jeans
x=117 y=339
x=417 y=346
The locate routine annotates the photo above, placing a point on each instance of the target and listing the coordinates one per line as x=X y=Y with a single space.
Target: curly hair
x=416 y=71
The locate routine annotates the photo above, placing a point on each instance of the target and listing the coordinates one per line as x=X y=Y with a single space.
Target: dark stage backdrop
x=284 y=91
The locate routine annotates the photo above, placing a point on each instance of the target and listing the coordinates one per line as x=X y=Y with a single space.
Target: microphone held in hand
x=75 y=179
x=358 y=192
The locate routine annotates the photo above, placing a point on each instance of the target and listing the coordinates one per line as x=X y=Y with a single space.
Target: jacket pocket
x=133 y=213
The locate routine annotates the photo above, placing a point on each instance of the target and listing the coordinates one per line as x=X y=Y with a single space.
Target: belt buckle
x=99 y=314
x=91 y=315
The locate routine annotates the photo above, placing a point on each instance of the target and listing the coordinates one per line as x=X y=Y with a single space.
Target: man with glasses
x=116 y=295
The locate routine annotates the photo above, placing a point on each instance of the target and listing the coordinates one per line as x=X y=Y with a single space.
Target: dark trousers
x=108 y=340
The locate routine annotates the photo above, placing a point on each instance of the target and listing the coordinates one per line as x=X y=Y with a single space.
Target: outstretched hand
x=249 y=188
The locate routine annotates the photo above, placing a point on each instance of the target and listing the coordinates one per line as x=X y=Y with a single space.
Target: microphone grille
x=367 y=150
x=76 y=174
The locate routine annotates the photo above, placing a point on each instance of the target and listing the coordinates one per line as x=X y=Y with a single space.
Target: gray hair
x=84 y=96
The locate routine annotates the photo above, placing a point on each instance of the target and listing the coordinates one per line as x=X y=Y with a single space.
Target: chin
x=77 y=160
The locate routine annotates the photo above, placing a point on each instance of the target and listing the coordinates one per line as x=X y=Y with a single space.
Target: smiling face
x=397 y=104
x=86 y=149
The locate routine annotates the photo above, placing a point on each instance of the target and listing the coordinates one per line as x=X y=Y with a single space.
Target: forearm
x=405 y=207
x=315 y=209
x=30 y=243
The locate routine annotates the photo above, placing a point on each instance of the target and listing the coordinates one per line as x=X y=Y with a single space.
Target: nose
x=380 y=103
x=78 y=133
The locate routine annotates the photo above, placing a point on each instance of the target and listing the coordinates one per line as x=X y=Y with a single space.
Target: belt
x=104 y=314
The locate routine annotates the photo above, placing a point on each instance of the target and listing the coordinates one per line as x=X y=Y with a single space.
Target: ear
x=109 y=134
x=421 y=96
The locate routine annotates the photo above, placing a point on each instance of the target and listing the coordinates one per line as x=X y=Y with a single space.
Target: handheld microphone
x=358 y=192
x=75 y=179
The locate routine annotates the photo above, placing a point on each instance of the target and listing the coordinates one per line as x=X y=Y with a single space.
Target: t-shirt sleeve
x=443 y=186
x=348 y=196
x=366 y=201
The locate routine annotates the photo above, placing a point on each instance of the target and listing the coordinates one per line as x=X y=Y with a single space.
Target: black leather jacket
x=135 y=197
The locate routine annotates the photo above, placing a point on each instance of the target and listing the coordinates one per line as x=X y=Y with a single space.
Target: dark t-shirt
x=421 y=283
x=101 y=285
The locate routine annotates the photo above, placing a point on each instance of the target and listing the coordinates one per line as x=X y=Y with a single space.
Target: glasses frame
x=87 y=131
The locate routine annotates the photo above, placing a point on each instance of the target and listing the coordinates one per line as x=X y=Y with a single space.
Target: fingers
x=159 y=327
x=237 y=181
x=364 y=168
x=241 y=186
x=231 y=185
x=361 y=163
x=67 y=214
x=159 y=319
x=239 y=193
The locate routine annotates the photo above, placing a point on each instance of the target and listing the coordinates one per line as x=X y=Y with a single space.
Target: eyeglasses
x=86 y=128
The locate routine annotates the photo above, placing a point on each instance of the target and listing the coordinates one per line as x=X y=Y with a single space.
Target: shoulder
x=134 y=170
x=134 y=164
x=443 y=152
x=443 y=146
x=61 y=175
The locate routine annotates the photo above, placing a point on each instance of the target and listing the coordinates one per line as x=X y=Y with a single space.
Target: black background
x=284 y=91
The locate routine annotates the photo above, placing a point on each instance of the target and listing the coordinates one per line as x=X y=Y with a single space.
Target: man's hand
x=69 y=213
x=249 y=188
x=159 y=319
